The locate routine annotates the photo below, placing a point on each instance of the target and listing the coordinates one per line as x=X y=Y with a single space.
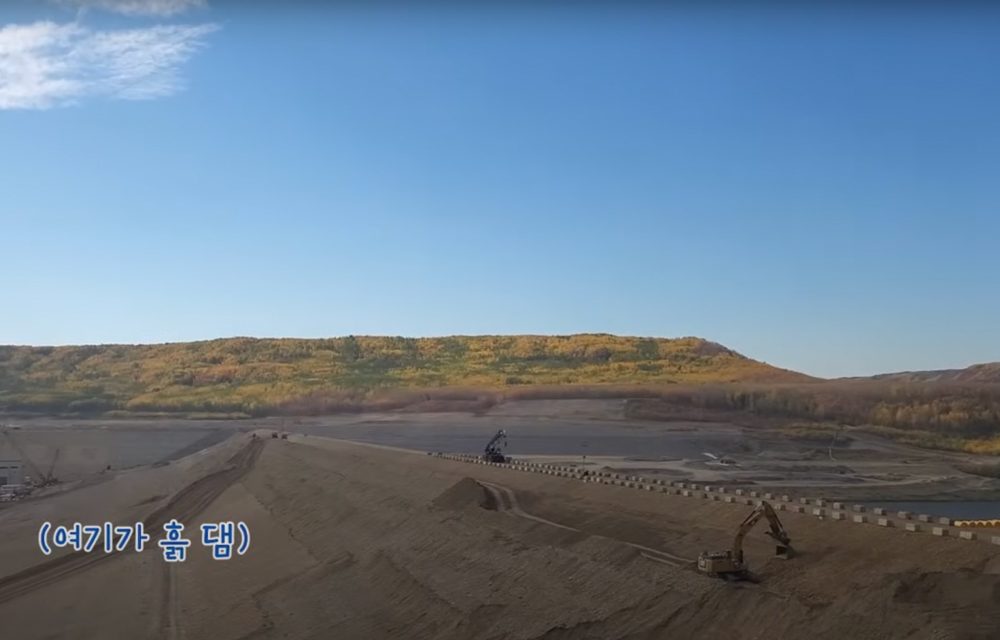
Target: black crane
x=494 y=448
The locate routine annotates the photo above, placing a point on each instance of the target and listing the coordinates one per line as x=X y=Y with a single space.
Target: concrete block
x=879 y=511
x=798 y=508
x=967 y=535
x=769 y=496
x=748 y=501
x=923 y=517
x=721 y=489
x=860 y=519
x=837 y=506
x=730 y=499
x=820 y=502
x=754 y=494
x=780 y=506
x=858 y=508
x=838 y=515
x=715 y=497
x=694 y=486
x=686 y=492
x=786 y=498
x=912 y=526
x=945 y=521
x=904 y=515
x=803 y=500
x=884 y=522
x=739 y=492
x=819 y=512
x=995 y=540
x=939 y=531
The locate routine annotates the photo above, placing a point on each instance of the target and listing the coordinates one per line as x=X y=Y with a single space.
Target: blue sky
x=814 y=188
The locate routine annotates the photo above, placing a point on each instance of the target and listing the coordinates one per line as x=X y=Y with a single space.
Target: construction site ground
x=353 y=540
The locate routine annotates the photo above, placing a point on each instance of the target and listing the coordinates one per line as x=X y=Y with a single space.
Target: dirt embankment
x=406 y=546
x=352 y=541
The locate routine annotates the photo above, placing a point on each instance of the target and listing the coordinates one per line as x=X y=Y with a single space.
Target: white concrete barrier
x=819 y=513
x=838 y=515
x=967 y=535
x=923 y=517
x=858 y=508
x=884 y=522
x=879 y=511
x=861 y=519
x=912 y=526
x=903 y=515
x=945 y=521
x=995 y=540
x=939 y=531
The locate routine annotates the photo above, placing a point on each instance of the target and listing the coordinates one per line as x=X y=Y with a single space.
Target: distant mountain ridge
x=988 y=372
x=259 y=375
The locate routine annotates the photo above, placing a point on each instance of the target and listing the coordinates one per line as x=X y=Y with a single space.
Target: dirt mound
x=465 y=493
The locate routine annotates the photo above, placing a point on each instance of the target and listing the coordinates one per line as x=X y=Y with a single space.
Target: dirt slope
x=352 y=541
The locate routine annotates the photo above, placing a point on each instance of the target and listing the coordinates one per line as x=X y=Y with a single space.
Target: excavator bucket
x=782 y=551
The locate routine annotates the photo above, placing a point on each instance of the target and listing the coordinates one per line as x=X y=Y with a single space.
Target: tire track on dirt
x=184 y=505
x=506 y=501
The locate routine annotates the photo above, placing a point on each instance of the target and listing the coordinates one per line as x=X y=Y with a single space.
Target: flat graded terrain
x=359 y=541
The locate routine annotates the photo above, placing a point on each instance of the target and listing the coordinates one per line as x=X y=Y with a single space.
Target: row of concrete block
x=815 y=506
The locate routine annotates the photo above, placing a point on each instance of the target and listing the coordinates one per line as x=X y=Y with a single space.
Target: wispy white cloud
x=139 y=7
x=46 y=64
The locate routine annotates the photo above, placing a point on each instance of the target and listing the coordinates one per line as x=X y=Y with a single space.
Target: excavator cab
x=729 y=564
x=720 y=563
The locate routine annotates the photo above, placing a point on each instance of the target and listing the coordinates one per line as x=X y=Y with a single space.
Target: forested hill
x=257 y=376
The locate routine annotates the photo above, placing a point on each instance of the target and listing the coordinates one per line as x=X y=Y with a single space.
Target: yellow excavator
x=730 y=564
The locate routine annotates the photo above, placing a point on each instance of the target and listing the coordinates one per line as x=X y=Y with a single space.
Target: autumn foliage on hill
x=261 y=376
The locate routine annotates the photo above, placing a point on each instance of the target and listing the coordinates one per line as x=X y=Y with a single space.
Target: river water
x=959 y=510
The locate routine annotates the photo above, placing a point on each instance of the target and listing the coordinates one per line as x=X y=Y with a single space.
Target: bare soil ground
x=356 y=541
